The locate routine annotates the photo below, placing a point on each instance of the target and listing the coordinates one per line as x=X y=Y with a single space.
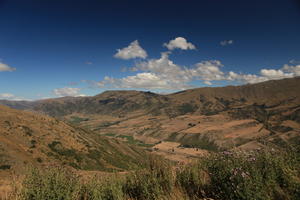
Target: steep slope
x=28 y=138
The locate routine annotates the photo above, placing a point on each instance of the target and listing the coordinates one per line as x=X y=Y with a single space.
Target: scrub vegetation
x=260 y=174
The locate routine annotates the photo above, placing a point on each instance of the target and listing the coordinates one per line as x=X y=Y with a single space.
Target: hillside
x=209 y=118
x=208 y=100
x=33 y=139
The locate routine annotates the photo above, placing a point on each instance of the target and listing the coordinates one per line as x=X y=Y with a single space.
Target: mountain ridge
x=269 y=93
x=250 y=113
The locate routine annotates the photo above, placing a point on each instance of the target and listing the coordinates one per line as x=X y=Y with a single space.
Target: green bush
x=245 y=176
x=50 y=184
x=4 y=167
x=186 y=108
x=152 y=183
x=107 y=189
x=258 y=175
x=193 y=180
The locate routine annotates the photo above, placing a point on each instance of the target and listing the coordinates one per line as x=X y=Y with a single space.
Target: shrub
x=56 y=183
x=259 y=175
x=107 y=189
x=39 y=160
x=152 y=183
x=186 y=108
x=193 y=180
x=4 y=167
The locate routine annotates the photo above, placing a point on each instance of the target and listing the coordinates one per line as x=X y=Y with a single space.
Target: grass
x=203 y=143
x=259 y=175
x=131 y=140
x=77 y=120
x=96 y=158
x=110 y=134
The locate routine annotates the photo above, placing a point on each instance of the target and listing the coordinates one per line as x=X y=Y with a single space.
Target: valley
x=117 y=130
x=207 y=118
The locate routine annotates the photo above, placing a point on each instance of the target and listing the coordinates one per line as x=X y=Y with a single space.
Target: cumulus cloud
x=294 y=62
x=6 y=96
x=5 y=68
x=164 y=74
x=287 y=71
x=159 y=73
x=143 y=80
x=208 y=71
x=295 y=70
x=12 y=97
x=245 y=78
x=275 y=74
x=134 y=50
x=179 y=43
x=66 y=91
x=226 y=42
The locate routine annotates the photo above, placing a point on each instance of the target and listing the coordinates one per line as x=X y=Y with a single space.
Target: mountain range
x=212 y=118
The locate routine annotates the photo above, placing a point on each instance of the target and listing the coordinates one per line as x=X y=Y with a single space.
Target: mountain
x=213 y=118
x=28 y=138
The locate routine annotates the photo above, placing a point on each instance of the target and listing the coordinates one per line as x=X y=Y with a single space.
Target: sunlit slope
x=213 y=117
x=28 y=138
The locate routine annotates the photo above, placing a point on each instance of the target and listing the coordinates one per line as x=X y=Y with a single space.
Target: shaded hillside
x=116 y=103
x=27 y=138
x=20 y=105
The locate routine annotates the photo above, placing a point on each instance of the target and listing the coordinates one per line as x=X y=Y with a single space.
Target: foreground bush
x=152 y=183
x=55 y=183
x=259 y=175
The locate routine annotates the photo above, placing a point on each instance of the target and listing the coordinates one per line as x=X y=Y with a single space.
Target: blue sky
x=54 y=48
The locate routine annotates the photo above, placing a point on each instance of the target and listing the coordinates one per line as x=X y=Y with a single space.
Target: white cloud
x=295 y=70
x=143 y=80
x=245 y=78
x=164 y=67
x=294 y=62
x=226 y=42
x=179 y=43
x=275 y=74
x=4 y=67
x=61 y=92
x=164 y=74
x=159 y=73
x=134 y=50
x=6 y=96
x=12 y=97
x=208 y=71
x=287 y=71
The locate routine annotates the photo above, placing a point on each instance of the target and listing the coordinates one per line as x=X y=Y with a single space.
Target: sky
x=55 y=48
